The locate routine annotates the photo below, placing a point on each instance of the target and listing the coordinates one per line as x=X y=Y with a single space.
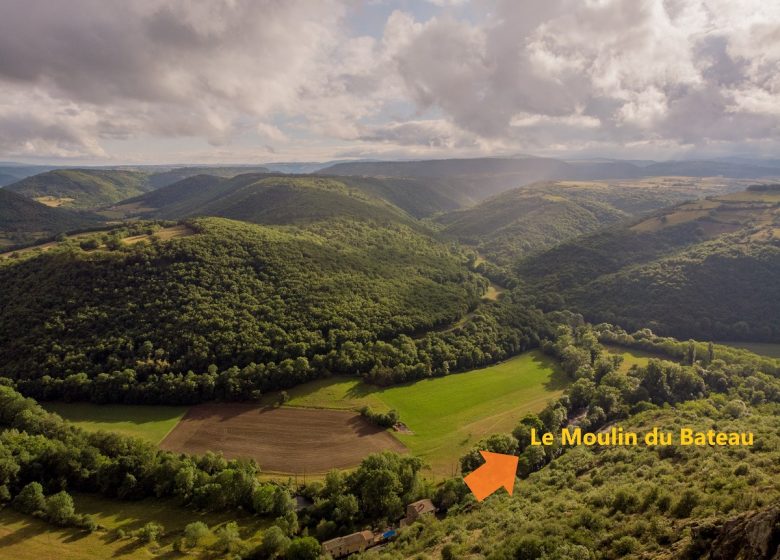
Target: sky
x=253 y=81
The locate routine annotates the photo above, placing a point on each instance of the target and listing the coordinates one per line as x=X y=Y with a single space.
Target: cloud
x=78 y=79
x=627 y=70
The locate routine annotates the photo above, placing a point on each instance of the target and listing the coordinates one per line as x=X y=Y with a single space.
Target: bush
x=305 y=548
x=229 y=539
x=86 y=522
x=30 y=499
x=685 y=505
x=383 y=419
x=60 y=509
x=89 y=244
x=624 y=546
x=275 y=543
x=194 y=532
x=149 y=533
x=625 y=501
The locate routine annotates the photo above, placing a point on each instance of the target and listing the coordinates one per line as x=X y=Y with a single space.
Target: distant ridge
x=483 y=177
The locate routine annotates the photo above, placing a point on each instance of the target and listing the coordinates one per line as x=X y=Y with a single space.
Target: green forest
x=235 y=288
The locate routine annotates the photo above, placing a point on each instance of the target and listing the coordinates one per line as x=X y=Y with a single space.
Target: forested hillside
x=23 y=220
x=82 y=188
x=476 y=179
x=706 y=269
x=159 y=179
x=538 y=216
x=279 y=199
x=233 y=294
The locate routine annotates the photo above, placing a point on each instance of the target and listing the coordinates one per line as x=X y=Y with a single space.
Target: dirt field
x=281 y=440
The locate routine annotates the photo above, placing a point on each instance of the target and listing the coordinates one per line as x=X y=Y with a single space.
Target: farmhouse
x=349 y=544
x=417 y=509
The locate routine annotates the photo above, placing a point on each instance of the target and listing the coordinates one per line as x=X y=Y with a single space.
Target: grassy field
x=632 y=357
x=447 y=415
x=769 y=349
x=24 y=537
x=151 y=423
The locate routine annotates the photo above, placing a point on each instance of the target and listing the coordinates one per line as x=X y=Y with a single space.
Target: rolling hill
x=519 y=222
x=23 y=220
x=159 y=179
x=233 y=294
x=82 y=188
x=705 y=268
x=280 y=199
x=479 y=178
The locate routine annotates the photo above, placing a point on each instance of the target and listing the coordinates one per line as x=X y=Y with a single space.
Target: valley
x=218 y=338
x=389 y=280
x=445 y=417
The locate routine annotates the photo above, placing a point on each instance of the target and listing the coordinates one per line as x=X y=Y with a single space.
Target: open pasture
x=447 y=415
x=151 y=423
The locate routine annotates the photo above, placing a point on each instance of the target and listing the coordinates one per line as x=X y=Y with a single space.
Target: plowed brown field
x=281 y=440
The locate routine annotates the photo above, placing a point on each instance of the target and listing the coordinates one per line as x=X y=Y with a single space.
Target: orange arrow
x=499 y=470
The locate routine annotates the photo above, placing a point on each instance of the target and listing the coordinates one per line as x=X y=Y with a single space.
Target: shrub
x=60 y=509
x=194 y=532
x=228 y=538
x=383 y=419
x=625 y=501
x=30 y=499
x=275 y=543
x=305 y=548
x=684 y=506
x=150 y=532
x=624 y=546
x=89 y=244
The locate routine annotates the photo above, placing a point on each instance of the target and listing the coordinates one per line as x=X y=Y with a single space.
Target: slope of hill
x=7 y=179
x=479 y=178
x=13 y=172
x=231 y=295
x=165 y=178
x=282 y=199
x=536 y=217
x=82 y=188
x=23 y=220
x=707 y=268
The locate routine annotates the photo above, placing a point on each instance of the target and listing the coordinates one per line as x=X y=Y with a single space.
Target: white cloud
x=560 y=75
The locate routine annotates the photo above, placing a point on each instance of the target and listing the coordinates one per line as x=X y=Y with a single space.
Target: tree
x=194 y=532
x=305 y=548
x=228 y=538
x=691 y=353
x=60 y=509
x=275 y=543
x=150 y=532
x=263 y=499
x=30 y=499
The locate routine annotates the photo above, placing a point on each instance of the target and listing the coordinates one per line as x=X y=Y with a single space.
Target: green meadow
x=770 y=349
x=151 y=423
x=632 y=357
x=25 y=537
x=447 y=415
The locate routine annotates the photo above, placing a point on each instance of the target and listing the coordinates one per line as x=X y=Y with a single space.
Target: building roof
x=422 y=506
x=361 y=538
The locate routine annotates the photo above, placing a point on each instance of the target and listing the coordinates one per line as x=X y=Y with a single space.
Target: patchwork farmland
x=318 y=428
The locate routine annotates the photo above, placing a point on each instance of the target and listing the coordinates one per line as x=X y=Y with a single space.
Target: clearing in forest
x=281 y=440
